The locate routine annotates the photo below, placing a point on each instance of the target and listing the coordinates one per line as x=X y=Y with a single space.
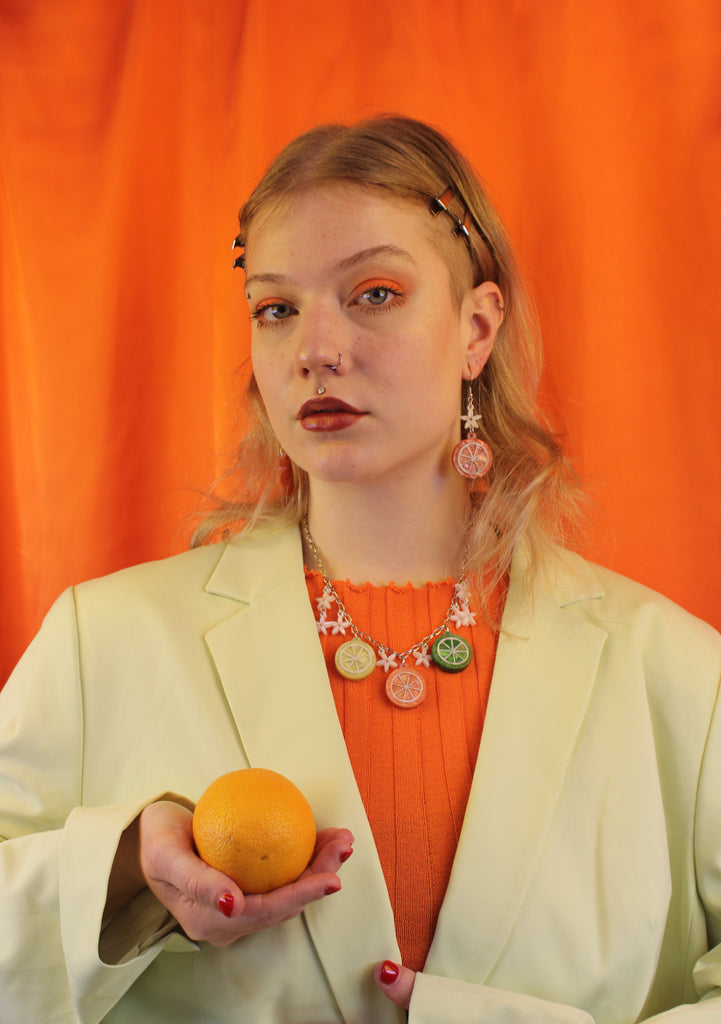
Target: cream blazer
x=587 y=882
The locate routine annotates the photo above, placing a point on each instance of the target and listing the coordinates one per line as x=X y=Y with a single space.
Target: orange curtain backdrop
x=130 y=132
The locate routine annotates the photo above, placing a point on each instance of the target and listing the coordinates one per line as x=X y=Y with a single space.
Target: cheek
x=266 y=368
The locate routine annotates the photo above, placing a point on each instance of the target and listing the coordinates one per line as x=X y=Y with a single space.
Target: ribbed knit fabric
x=413 y=765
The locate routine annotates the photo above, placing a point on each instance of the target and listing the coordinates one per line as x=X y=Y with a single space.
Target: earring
x=472 y=458
x=285 y=472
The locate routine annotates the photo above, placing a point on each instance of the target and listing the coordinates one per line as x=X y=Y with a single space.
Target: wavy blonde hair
x=531 y=492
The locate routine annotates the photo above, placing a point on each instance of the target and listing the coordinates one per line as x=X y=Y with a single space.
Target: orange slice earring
x=472 y=458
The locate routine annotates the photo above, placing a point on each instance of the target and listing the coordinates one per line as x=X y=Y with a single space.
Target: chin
x=339 y=469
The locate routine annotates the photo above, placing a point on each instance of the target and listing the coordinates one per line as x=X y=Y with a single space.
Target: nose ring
x=320 y=390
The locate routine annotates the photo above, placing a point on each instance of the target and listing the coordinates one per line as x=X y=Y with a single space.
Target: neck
x=365 y=536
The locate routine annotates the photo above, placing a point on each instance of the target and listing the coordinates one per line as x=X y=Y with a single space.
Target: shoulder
x=189 y=569
x=618 y=602
x=643 y=628
x=197 y=566
x=636 y=623
x=201 y=578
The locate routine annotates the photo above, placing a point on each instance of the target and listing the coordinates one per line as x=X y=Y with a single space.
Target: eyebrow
x=347 y=263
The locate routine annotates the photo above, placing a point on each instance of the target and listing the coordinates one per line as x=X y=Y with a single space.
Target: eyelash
x=256 y=313
x=397 y=299
x=381 y=285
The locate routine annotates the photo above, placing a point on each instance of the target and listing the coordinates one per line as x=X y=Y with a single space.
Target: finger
x=396 y=982
x=333 y=847
x=290 y=900
x=242 y=914
x=186 y=882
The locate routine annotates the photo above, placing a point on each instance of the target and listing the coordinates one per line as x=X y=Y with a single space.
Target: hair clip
x=239 y=261
x=439 y=204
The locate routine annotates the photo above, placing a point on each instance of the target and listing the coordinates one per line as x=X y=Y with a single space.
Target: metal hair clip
x=439 y=204
x=239 y=261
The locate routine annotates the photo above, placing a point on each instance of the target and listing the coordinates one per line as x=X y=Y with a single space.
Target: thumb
x=396 y=982
x=172 y=868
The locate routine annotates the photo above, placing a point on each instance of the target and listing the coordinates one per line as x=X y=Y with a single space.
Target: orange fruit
x=255 y=826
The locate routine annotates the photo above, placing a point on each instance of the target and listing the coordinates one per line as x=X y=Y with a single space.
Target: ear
x=482 y=316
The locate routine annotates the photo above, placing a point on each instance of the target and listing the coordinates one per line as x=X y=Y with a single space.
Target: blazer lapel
x=545 y=669
x=272 y=670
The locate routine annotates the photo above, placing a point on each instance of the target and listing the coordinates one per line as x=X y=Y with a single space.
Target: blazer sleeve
x=55 y=854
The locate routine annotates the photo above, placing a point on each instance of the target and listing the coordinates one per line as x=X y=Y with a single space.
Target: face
x=348 y=292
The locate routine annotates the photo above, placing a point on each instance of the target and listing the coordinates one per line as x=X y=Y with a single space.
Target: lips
x=328 y=413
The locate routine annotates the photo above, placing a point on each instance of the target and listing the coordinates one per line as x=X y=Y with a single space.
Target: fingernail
x=332 y=888
x=344 y=856
x=389 y=972
x=225 y=903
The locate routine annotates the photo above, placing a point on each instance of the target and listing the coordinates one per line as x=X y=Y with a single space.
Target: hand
x=396 y=982
x=207 y=905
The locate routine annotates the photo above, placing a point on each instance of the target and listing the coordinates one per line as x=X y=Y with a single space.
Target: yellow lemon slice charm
x=355 y=659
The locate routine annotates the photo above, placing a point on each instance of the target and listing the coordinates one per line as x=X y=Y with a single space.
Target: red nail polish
x=331 y=889
x=225 y=903
x=344 y=856
x=389 y=972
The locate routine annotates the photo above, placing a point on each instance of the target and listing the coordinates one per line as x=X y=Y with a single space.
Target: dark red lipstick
x=328 y=413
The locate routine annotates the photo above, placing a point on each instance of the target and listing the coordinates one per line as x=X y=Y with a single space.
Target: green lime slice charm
x=355 y=659
x=451 y=653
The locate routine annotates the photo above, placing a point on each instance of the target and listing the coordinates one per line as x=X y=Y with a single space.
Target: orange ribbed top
x=413 y=766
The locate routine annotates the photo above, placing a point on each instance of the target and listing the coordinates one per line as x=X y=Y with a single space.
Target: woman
x=566 y=868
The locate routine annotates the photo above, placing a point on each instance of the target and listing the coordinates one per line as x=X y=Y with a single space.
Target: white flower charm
x=472 y=421
x=386 y=659
x=422 y=656
x=344 y=622
x=463 y=616
x=325 y=600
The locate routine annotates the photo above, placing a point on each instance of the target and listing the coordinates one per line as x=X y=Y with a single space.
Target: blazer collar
x=272 y=670
x=546 y=665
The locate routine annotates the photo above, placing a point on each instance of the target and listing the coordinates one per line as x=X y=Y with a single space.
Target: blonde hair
x=531 y=492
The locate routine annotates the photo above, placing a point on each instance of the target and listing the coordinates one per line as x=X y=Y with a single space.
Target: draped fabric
x=130 y=132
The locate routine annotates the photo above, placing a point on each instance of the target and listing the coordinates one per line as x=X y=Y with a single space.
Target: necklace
x=356 y=658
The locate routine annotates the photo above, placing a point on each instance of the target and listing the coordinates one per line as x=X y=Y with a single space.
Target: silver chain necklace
x=355 y=659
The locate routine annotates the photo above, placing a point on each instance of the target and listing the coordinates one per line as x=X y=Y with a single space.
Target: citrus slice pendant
x=405 y=688
x=451 y=652
x=355 y=659
x=472 y=457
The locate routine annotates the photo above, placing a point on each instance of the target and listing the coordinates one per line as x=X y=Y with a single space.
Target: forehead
x=334 y=221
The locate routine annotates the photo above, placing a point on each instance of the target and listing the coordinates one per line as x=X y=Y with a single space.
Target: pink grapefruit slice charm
x=472 y=458
x=405 y=688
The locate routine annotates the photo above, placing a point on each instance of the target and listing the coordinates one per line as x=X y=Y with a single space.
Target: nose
x=321 y=351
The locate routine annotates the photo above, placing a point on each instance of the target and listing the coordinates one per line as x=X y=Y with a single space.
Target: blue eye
x=267 y=313
x=378 y=295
